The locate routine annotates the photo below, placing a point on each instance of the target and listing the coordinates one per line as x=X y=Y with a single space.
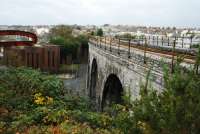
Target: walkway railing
x=170 y=48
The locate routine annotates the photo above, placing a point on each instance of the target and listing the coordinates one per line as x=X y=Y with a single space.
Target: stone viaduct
x=114 y=70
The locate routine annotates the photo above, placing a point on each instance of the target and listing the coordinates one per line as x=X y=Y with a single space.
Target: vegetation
x=176 y=109
x=98 y=32
x=129 y=36
x=62 y=35
x=126 y=36
x=35 y=103
x=32 y=102
x=92 y=33
x=195 y=46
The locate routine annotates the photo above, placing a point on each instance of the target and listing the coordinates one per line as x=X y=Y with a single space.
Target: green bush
x=36 y=103
x=62 y=35
x=28 y=82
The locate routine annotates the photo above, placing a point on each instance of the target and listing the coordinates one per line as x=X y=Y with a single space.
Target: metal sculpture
x=18 y=43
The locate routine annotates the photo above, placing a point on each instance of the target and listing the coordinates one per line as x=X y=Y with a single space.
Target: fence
x=164 y=45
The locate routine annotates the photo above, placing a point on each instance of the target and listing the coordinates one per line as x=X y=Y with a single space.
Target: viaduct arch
x=112 y=92
x=111 y=76
x=93 y=79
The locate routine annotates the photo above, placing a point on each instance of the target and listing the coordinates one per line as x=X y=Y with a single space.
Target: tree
x=100 y=32
x=62 y=35
x=127 y=35
x=92 y=33
x=62 y=31
x=83 y=40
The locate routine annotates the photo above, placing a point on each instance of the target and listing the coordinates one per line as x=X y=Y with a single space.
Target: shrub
x=41 y=106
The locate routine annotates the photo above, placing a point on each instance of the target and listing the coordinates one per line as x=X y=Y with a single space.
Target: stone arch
x=112 y=92
x=93 y=79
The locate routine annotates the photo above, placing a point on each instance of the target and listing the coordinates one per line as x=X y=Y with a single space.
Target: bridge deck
x=141 y=49
x=146 y=56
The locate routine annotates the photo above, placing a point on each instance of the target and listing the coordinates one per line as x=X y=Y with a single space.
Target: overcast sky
x=181 y=13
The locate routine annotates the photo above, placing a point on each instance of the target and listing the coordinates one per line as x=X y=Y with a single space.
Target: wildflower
x=41 y=100
x=49 y=100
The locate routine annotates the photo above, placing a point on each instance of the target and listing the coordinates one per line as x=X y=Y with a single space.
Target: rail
x=170 y=48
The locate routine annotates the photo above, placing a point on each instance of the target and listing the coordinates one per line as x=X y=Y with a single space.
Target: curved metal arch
x=18 y=43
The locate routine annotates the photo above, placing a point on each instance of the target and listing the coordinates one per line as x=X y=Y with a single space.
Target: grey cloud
x=135 y=12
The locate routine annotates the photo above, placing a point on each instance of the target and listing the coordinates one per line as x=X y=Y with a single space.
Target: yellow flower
x=39 y=99
x=49 y=100
x=145 y=127
x=37 y=95
x=75 y=130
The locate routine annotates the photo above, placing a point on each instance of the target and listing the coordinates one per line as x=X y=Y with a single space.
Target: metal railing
x=163 y=45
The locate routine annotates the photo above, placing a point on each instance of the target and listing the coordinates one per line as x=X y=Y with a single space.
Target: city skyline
x=179 y=13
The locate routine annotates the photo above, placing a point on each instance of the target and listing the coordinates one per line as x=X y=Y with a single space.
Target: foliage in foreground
x=32 y=102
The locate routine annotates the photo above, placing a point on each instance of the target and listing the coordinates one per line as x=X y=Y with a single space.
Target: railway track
x=167 y=53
